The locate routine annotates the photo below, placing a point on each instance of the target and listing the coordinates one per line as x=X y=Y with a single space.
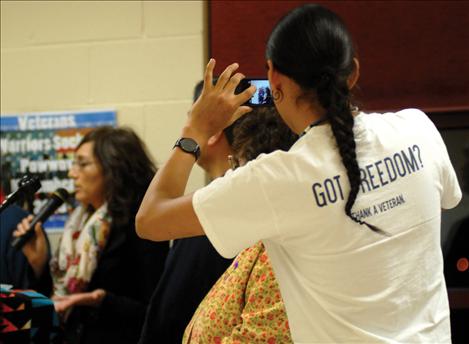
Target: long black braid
x=334 y=95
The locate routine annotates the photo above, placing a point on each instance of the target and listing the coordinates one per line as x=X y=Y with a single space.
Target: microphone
x=58 y=197
x=26 y=186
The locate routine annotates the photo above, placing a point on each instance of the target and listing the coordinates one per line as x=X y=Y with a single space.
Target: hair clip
x=234 y=163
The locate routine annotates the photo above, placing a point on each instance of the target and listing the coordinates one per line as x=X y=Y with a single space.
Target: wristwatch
x=188 y=145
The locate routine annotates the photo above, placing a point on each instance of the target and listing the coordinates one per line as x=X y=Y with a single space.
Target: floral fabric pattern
x=79 y=249
x=244 y=306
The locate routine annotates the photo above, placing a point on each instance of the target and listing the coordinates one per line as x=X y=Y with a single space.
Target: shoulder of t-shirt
x=418 y=120
x=260 y=169
x=413 y=115
x=265 y=169
x=404 y=114
x=264 y=162
x=411 y=119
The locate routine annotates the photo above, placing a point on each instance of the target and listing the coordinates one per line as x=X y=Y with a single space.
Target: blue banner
x=43 y=144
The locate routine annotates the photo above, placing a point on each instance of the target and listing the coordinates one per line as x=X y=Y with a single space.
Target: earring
x=277 y=95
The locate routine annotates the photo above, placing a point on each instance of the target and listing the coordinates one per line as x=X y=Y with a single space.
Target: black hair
x=312 y=46
x=127 y=169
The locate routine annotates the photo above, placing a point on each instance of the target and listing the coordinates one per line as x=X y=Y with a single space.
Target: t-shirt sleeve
x=235 y=212
x=450 y=190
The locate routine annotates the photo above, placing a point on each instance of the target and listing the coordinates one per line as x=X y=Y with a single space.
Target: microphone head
x=57 y=198
x=61 y=194
x=29 y=184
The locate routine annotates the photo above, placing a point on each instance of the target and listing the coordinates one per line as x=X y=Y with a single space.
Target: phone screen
x=263 y=95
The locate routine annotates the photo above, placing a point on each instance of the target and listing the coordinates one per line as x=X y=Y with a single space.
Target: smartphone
x=263 y=94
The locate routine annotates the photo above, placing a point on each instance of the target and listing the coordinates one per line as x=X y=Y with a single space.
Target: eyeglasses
x=81 y=164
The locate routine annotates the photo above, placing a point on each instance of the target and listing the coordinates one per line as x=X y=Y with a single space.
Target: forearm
x=171 y=180
x=38 y=265
x=41 y=283
x=165 y=213
x=162 y=211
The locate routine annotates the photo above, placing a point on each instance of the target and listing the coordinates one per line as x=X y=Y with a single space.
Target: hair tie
x=324 y=80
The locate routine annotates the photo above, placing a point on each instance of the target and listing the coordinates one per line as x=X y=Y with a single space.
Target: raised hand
x=218 y=106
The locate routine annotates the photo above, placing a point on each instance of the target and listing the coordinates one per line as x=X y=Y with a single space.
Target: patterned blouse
x=244 y=306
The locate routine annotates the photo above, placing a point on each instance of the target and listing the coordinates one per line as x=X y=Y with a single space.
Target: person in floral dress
x=245 y=305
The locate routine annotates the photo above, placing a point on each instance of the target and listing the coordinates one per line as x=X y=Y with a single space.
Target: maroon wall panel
x=412 y=53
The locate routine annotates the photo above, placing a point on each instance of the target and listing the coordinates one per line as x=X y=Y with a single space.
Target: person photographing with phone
x=341 y=212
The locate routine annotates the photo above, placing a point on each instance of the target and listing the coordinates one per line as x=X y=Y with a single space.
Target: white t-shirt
x=342 y=282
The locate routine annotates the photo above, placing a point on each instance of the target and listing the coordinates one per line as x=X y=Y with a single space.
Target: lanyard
x=312 y=125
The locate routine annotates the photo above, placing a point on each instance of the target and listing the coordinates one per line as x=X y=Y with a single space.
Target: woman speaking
x=102 y=275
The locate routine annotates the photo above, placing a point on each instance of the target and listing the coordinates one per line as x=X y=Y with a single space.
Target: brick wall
x=141 y=58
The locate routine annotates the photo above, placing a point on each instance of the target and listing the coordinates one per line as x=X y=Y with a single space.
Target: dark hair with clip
x=262 y=131
x=312 y=46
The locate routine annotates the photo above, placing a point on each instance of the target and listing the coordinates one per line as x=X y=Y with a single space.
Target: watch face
x=188 y=145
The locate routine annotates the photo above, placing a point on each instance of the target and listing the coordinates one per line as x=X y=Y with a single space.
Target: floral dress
x=244 y=306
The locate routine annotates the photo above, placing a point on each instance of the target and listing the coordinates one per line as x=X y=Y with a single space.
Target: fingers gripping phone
x=263 y=94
